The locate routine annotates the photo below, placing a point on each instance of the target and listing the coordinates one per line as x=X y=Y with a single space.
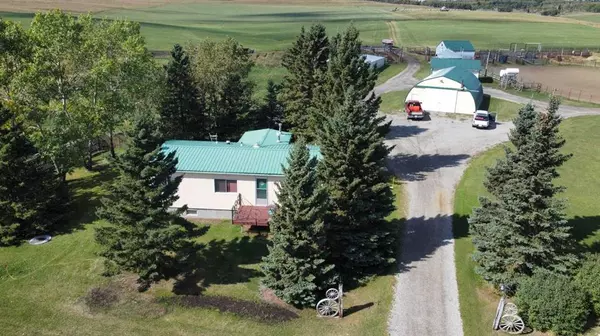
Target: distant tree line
x=548 y=7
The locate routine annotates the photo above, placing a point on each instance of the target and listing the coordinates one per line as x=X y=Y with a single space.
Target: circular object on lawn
x=332 y=294
x=39 y=240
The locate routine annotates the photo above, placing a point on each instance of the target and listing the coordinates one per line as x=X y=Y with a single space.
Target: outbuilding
x=450 y=90
x=471 y=65
x=374 y=61
x=455 y=49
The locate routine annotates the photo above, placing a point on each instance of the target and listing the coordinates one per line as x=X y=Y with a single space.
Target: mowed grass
x=504 y=109
x=41 y=287
x=477 y=300
x=595 y=18
x=389 y=71
x=393 y=102
x=542 y=96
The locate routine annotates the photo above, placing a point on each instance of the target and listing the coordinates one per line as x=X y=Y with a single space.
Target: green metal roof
x=265 y=137
x=467 y=64
x=235 y=158
x=459 y=45
x=468 y=80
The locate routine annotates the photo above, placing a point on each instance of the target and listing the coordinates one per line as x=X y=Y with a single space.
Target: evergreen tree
x=296 y=268
x=522 y=228
x=353 y=169
x=143 y=236
x=271 y=112
x=304 y=61
x=31 y=195
x=182 y=114
x=346 y=69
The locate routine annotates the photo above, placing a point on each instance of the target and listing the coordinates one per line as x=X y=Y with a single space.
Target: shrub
x=550 y=12
x=101 y=297
x=588 y=278
x=553 y=302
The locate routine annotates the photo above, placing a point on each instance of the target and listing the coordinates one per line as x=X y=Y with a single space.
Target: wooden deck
x=251 y=215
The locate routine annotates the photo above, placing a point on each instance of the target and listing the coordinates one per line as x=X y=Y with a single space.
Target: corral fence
x=537 y=88
x=563 y=56
x=392 y=55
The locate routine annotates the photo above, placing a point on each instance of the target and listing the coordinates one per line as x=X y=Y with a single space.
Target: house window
x=225 y=186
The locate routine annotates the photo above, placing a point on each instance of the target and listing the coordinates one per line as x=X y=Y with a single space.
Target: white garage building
x=450 y=90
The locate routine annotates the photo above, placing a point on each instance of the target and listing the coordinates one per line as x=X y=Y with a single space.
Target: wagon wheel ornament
x=328 y=308
x=510 y=309
x=332 y=294
x=512 y=324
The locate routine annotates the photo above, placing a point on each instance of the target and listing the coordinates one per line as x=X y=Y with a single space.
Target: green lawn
x=424 y=69
x=261 y=74
x=390 y=71
x=505 y=110
x=41 y=287
x=393 y=102
x=595 y=18
x=477 y=300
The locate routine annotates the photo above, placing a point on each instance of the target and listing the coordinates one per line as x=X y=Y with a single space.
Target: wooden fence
x=540 y=88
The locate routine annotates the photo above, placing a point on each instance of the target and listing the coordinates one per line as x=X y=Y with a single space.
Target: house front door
x=261 y=192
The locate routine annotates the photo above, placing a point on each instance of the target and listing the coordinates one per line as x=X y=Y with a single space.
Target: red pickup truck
x=414 y=110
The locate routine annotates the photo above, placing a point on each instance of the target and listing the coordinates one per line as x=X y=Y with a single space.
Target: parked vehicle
x=414 y=110
x=481 y=119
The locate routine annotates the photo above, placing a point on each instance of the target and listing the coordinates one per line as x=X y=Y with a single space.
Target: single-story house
x=374 y=61
x=472 y=65
x=455 y=49
x=450 y=90
x=232 y=180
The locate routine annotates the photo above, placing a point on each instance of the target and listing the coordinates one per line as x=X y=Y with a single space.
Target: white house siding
x=442 y=52
x=197 y=190
x=442 y=97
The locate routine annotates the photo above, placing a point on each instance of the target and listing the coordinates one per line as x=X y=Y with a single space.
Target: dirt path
x=431 y=156
x=393 y=32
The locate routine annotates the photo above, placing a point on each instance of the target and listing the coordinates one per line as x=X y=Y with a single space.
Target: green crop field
x=273 y=26
x=586 y=17
x=477 y=300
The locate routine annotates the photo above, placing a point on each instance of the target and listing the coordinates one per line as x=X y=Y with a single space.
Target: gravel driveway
x=431 y=156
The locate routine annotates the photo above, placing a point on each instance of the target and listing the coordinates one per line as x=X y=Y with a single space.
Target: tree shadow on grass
x=220 y=262
x=585 y=228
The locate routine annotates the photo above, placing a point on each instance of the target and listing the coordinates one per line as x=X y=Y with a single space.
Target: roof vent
x=256 y=145
x=228 y=142
x=279 y=134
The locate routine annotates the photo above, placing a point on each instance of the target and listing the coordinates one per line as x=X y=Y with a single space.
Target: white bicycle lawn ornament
x=331 y=306
x=507 y=319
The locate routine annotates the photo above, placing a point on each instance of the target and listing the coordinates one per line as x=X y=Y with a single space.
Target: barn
x=374 y=61
x=455 y=49
x=450 y=90
x=474 y=66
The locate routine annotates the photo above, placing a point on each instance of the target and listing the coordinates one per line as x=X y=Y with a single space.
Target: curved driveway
x=431 y=156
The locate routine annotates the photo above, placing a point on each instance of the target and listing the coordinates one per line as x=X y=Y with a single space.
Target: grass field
x=477 y=299
x=41 y=287
x=586 y=17
x=273 y=25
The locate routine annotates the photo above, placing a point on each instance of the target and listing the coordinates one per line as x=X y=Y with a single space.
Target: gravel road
x=431 y=156
x=403 y=80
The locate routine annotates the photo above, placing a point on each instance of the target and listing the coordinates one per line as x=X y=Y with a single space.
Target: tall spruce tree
x=522 y=228
x=305 y=61
x=31 y=195
x=346 y=69
x=296 y=267
x=353 y=169
x=143 y=236
x=271 y=112
x=182 y=111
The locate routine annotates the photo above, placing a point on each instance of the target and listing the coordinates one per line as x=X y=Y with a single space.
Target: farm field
x=265 y=26
x=477 y=300
x=42 y=288
x=586 y=17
